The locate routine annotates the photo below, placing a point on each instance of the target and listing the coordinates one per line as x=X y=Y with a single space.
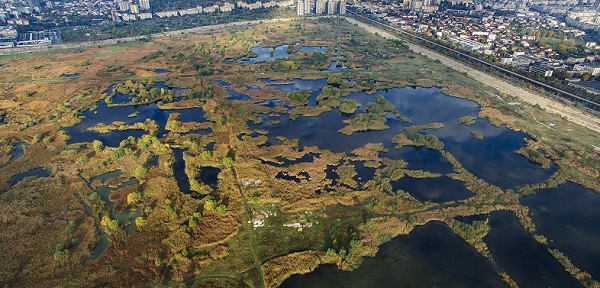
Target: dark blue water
x=264 y=54
x=492 y=158
x=70 y=76
x=179 y=172
x=17 y=152
x=161 y=71
x=525 y=260
x=420 y=158
x=313 y=49
x=436 y=190
x=36 y=172
x=107 y=115
x=430 y=256
x=337 y=66
x=314 y=86
x=364 y=173
x=253 y=88
x=209 y=175
x=501 y=167
x=569 y=217
x=233 y=95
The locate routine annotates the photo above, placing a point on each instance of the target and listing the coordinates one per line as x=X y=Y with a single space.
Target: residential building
x=145 y=4
x=134 y=8
x=320 y=6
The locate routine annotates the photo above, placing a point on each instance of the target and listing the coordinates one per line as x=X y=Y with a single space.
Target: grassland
x=51 y=225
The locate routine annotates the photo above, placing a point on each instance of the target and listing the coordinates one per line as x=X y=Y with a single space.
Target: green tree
x=331 y=254
x=227 y=162
x=140 y=222
x=140 y=172
x=133 y=198
x=98 y=146
x=62 y=256
x=210 y=203
x=221 y=209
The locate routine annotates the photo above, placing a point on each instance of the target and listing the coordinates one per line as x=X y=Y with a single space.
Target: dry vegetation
x=51 y=225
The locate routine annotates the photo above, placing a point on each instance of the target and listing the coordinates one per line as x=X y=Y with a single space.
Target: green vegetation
x=466 y=120
x=348 y=106
x=412 y=137
x=299 y=96
x=321 y=211
x=478 y=135
x=374 y=119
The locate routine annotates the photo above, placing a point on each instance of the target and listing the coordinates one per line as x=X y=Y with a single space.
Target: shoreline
x=572 y=114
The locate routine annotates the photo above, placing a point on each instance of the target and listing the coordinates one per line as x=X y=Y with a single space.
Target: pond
x=337 y=66
x=183 y=182
x=100 y=247
x=430 y=256
x=209 y=175
x=265 y=54
x=525 y=260
x=569 y=217
x=129 y=115
x=161 y=71
x=126 y=219
x=39 y=172
x=438 y=190
x=491 y=158
x=18 y=151
x=420 y=158
x=312 y=49
x=70 y=76
x=233 y=95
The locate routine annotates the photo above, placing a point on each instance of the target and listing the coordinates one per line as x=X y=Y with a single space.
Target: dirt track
x=572 y=114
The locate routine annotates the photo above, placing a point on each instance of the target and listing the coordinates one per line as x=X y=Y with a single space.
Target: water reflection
x=266 y=54
x=437 y=190
x=568 y=215
x=491 y=158
x=525 y=260
x=430 y=256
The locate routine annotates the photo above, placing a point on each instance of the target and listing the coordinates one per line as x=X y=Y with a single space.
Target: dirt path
x=572 y=114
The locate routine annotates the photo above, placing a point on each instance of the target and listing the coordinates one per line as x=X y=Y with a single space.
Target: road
x=574 y=115
x=18 y=50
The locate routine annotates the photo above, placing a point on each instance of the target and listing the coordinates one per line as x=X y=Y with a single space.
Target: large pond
x=430 y=256
x=264 y=54
x=440 y=189
x=569 y=217
x=491 y=158
x=129 y=115
x=525 y=260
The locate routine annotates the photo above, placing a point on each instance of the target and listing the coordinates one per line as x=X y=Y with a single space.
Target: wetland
x=248 y=159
